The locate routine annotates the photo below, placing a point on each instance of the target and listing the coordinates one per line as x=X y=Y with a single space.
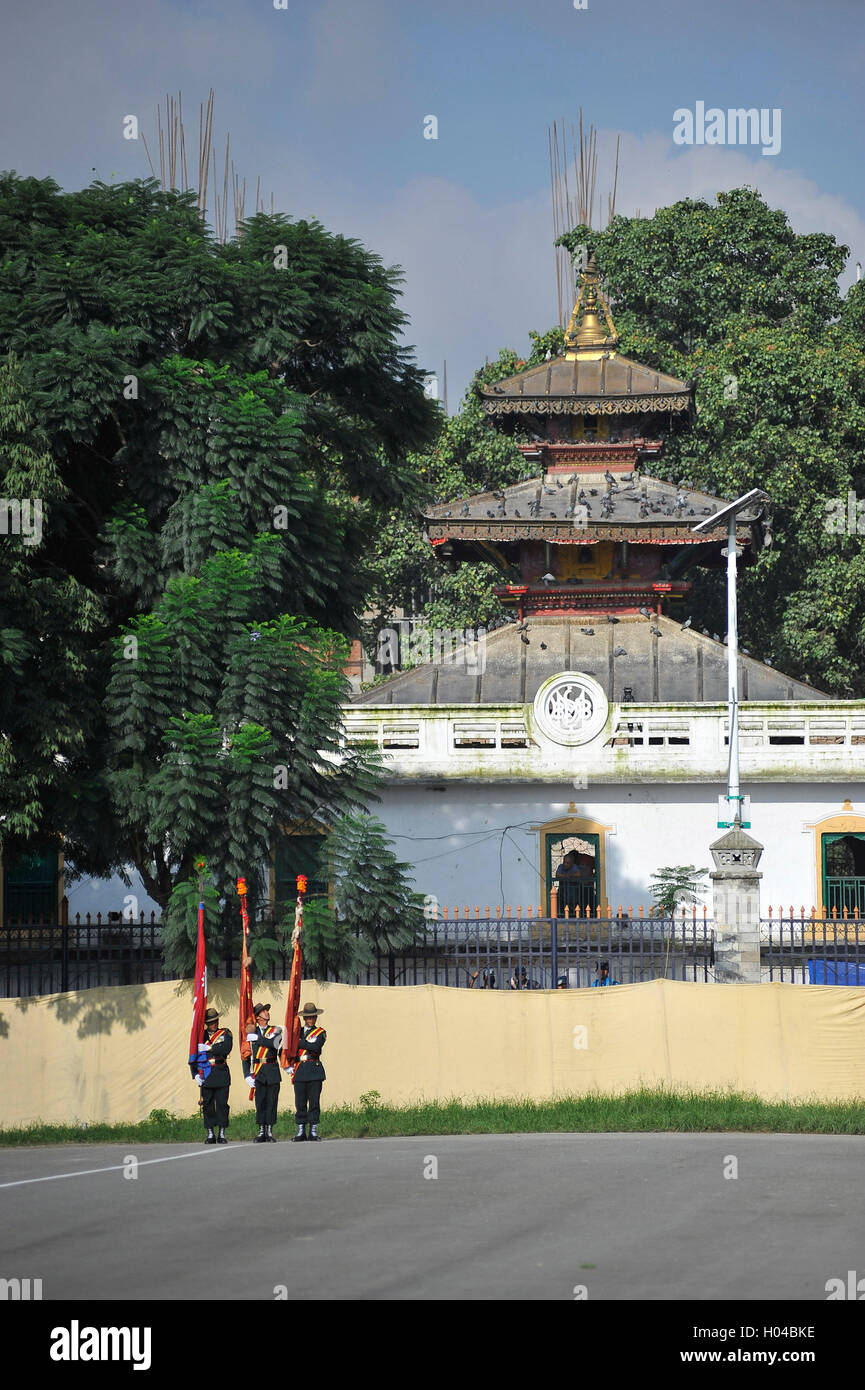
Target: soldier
x=263 y=1072
x=308 y=1075
x=210 y=1071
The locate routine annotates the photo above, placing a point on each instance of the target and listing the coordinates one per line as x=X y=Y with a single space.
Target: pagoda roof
x=680 y=666
x=608 y=384
x=580 y=508
x=590 y=377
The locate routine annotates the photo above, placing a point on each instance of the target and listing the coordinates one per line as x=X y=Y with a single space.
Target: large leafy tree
x=48 y=705
x=225 y=424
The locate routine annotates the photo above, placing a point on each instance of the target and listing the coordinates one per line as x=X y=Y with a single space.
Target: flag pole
x=291 y=1032
x=199 y=1001
x=246 y=1020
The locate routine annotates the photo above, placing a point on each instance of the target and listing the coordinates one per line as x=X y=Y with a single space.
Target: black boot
x=211 y=1137
x=221 y=1139
x=300 y=1137
x=261 y=1137
x=270 y=1138
x=314 y=1135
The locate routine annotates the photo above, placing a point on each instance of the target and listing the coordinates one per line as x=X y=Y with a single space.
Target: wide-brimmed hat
x=259 y=1008
x=310 y=1009
x=211 y=1014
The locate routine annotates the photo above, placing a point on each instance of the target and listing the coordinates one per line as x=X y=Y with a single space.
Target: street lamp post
x=736 y=803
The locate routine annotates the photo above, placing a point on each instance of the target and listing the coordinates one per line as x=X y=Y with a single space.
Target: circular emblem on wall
x=571 y=708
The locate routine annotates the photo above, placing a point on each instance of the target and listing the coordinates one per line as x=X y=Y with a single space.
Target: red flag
x=247 y=1018
x=291 y=1032
x=199 y=1003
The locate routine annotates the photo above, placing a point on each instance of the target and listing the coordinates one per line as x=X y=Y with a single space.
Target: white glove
x=198 y=1081
x=204 y=1047
x=252 y=1037
x=251 y=1080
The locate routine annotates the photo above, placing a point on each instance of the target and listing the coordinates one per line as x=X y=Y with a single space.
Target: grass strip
x=644 y=1110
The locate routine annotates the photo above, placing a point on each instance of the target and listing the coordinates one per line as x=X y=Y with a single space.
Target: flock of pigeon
x=628 y=488
x=523 y=630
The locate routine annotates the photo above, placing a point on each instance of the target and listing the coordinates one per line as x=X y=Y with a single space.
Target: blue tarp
x=836 y=972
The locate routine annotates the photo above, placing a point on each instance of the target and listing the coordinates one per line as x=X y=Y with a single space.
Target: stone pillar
x=736 y=906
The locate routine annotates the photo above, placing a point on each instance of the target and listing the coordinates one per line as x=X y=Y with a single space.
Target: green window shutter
x=30 y=888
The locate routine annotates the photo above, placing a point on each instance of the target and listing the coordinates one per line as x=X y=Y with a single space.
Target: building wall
x=479 y=844
x=471 y=843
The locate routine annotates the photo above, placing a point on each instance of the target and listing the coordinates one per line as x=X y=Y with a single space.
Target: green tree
x=374 y=909
x=672 y=886
x=48 y=699
x=224 y=424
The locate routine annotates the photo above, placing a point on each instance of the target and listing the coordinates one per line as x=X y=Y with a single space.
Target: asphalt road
x=522 y=1217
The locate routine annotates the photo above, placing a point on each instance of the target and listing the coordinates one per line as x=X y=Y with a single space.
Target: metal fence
x=550 y=953
x=498 y=953
x=813 y=950
x=53 y=958
x=501 y=952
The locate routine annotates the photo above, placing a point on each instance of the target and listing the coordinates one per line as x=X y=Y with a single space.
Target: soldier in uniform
x=308 y=1075
x=263 y=1072
x=210 y=1071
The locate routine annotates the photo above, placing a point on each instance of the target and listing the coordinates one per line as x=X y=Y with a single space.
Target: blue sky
x=326 y=101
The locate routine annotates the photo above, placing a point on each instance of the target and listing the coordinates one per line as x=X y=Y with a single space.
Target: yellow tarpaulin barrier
x=116 y=1054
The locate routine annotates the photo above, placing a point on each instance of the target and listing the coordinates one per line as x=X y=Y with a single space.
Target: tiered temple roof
x=592 y=550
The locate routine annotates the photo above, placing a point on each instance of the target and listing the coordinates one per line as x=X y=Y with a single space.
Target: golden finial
x=585 y=337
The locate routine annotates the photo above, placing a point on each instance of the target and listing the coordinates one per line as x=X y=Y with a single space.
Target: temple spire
x=585 y=337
